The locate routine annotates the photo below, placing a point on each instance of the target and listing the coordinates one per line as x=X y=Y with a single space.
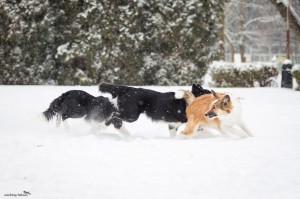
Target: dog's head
x=222 y=105
x=197 y=90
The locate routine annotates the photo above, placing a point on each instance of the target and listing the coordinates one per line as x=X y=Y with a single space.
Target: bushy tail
x=113 y=89
x=54 y=107
x=49 y=114
x=186 y=95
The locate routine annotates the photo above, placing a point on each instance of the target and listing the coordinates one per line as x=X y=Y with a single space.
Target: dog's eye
x=225 y=103
x=214 y=107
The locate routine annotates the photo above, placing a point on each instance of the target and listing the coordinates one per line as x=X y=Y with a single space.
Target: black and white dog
x=77 y=104
x=156 y=105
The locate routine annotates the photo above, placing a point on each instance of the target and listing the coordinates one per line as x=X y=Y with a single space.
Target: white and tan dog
x=216 y=110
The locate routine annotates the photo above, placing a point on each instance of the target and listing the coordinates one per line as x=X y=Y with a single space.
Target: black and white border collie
x=131 y=102
x=78 y=104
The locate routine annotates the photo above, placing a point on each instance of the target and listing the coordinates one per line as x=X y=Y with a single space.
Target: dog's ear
x=196 y=90
x=214 y=93
x=194 y=86
x=226 y=100
x=199 y=86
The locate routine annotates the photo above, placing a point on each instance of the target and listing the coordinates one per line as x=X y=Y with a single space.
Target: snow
x=296 y=67
x=50 y=162
x=286 y=61
x=240 y=66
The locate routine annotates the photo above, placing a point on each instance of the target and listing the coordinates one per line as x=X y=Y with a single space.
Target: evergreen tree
x=120 y=41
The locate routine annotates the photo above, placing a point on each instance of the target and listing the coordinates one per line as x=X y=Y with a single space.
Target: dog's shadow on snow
x=198 y=136
x=118 y=137
x=112 y=134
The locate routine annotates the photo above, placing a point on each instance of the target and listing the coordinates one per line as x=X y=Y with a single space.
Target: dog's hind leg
x=66 y=125
x=58 y=120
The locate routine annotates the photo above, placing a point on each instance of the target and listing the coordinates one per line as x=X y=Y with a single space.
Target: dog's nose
x=206 y=114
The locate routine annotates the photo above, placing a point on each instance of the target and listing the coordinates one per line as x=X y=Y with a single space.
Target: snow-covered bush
x=242 y=75
x=45 y=42
x=296 y=75
x=171 y=70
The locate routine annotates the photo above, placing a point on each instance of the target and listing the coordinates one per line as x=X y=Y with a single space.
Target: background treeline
x=137 y=42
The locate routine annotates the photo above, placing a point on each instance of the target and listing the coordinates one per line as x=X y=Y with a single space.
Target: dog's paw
x=185 y=137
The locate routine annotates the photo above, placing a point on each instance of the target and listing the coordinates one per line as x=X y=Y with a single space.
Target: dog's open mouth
x=211 y=115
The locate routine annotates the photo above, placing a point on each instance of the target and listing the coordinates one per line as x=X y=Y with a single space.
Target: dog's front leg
x=223 y=131
x=66 y=125
x=235 y=131
x=191 y=126
x=111 y=118
x=173 y=129
x=124 y=131
x=245 y=128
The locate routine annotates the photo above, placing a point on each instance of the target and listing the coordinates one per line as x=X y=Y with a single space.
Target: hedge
x=296 y=75
x=243 y=75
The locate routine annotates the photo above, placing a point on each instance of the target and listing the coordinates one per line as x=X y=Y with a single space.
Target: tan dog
x=216 y=110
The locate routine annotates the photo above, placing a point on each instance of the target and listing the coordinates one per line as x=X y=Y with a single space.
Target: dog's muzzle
x=211 y=115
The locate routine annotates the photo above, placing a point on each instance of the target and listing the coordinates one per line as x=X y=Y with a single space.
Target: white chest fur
x=234 y=116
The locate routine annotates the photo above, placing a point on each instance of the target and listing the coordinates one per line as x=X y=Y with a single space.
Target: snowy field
x=50 y=162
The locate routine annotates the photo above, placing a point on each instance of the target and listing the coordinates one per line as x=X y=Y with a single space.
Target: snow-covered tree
x=24 y=48
x=184 y=33
x=88 y=41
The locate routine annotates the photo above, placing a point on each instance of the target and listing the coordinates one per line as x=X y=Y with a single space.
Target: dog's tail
x=113 y=89
x=54 y=107
x=49 y=114
x=186 y=95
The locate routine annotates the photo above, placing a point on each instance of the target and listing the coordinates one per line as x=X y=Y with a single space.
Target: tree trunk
x=292 y=22
x=222 y=32
x=231 y=49
x=242 y=52
x=242 y=22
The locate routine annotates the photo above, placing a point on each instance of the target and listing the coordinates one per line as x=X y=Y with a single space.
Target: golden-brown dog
x=216 y=110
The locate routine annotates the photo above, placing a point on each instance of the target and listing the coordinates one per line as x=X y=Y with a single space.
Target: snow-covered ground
x=48 y=162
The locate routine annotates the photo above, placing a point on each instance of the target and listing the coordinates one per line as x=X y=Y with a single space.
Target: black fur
x=77 y=104
x=156 y=105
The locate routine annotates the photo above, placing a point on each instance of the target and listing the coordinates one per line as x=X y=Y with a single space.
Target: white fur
x=234 y=118
x=179 y=94
x=124 y=131
x=58 y=120
x=211 y=107
x=115 y=102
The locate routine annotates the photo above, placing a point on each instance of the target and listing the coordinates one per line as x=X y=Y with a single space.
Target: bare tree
x=249 y=24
